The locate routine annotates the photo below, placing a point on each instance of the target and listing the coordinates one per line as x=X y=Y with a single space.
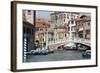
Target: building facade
x=41 y=32
x=62 y=27
x=72 y=25
x=66 y=20
x=84 y=27
x=29 y=28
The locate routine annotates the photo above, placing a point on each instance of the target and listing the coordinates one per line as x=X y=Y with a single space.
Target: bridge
x=76 y=40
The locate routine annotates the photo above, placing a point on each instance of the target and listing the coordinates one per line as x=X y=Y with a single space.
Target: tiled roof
x=42 y=23
x=84 y=18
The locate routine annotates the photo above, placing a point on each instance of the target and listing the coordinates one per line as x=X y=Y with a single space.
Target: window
x=73 y=28
x=56 y=17
x=72 y=22
x=65 y=34
x=74 y=17
x=67 y=16
x=61 y=36
x=64 y=15
x=64 y=20
x=88 y=23
x=52 y=35
x=77 y=16
x=46 y=29
x=41 y=29
x=29 y=12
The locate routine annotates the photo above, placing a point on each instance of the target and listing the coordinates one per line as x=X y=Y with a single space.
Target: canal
x=59 y=55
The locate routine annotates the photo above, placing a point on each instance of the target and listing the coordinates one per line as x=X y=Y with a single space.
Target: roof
x=84 y=18
x=40 y=22
x=61 y=27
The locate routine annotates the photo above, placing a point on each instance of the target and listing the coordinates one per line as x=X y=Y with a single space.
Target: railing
x=78 y=40
x=82 y=40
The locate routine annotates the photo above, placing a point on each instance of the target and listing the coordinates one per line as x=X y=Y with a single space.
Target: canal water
x=60 y=55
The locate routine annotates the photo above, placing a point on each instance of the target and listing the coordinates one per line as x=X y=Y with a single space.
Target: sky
x=43 y=14
x=46 y=14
